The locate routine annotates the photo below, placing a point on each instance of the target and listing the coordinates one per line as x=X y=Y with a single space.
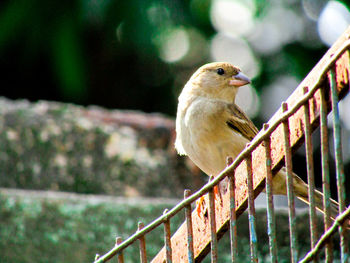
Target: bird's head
x=219 y=80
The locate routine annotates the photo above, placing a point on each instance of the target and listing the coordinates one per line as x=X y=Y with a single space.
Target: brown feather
x=241 y=123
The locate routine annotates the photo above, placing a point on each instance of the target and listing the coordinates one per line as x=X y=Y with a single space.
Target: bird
x=210 y=127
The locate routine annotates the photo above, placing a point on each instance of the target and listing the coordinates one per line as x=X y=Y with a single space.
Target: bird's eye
x=220 y=71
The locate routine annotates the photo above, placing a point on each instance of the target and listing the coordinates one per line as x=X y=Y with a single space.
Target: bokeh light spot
x=275 y=93
x=174 y=44
x=279 y=26
x=313 y=8
x=333 y=21
x=247 y=99
x=232 y=17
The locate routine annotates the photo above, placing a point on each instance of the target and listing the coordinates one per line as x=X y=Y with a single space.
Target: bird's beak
x=239 y=80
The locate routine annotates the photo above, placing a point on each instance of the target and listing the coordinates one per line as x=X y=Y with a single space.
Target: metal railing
x=254 y=168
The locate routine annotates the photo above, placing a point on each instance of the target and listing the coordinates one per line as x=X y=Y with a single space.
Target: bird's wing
x=240 y=122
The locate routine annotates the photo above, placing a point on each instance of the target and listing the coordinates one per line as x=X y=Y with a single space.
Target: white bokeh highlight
x=247 y=99
x=278 y=27
x=175 y=45
x=232 y=18
x=333 y=21
x=275 y=94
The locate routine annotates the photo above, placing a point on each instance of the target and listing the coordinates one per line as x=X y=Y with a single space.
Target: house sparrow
x=210 y=126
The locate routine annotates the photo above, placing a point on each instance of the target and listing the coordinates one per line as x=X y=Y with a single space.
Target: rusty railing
x=305 y=110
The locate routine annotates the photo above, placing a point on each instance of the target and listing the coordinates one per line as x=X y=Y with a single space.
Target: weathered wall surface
x=56 y=146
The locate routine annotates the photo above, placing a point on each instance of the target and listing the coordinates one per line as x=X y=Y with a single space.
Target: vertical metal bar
x=143 y=256
x=251 y=212
x=325 y=174
x=339 y=164
x=290 y=191
x=188 y=215
x=214 y=241
x=310 y=173
x=120 y=256
x=167 y=239
x=271 y=223
x=233 y=217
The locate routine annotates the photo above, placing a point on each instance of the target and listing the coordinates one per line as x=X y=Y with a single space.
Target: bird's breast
x=207 y=139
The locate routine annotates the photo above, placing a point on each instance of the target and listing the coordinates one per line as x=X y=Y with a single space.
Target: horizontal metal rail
x=325 y=237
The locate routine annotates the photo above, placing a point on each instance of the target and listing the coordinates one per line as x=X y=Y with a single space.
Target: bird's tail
x=334 y=206
x=301 y=191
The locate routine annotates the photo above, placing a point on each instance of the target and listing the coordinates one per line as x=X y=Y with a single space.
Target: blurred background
x=137 y=55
